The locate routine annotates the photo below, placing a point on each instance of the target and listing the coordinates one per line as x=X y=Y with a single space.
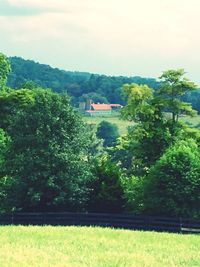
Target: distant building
x=116 y=106
x=98 y=109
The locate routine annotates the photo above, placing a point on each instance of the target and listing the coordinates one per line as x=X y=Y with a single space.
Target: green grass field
x=122 y=124
x=36 y=246
x=192 y=121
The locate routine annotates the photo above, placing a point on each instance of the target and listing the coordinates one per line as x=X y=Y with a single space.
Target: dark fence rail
x=125 y=221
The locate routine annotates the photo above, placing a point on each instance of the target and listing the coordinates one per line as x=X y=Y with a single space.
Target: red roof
x=101 y=106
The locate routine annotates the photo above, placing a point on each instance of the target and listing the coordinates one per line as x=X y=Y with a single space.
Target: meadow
x=95 y=247
x=192 y=121
x=122 y=124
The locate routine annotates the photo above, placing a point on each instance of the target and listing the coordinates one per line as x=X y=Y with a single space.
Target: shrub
x=172 y=186
x=107 y=190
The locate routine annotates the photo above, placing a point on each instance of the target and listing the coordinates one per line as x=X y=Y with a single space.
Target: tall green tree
x=48 y=157
x=139 y=102
x=155 y=131
x=4 y=70
x=174 y=85
x=150 y=137
x=143 y=102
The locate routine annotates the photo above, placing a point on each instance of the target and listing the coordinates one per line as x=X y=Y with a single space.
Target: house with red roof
x=92 y=109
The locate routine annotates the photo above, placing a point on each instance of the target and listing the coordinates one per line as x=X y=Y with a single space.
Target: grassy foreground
x=95 y=247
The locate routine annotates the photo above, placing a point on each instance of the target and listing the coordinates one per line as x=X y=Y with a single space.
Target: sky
x=113 y=37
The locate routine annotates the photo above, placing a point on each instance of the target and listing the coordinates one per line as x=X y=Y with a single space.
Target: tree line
x=50 y=160
x=81 y=85
x=78 y=85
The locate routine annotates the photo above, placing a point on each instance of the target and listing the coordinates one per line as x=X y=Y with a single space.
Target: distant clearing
x=122 y=124
x=50 y=246
x=192 y=121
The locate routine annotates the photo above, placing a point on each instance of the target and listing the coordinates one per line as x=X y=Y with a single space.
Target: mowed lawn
x=36 y=246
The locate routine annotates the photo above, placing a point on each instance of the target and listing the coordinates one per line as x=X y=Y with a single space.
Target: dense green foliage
x=172 y=185
x=12 y=101
x=4 y=70
x=50 y=160
x=108 y=132
x=46 y=164
x=77 y=84
x=194 y=98
x=80 y=85
x=164 y=173
x=107 y=191
x=155 y=130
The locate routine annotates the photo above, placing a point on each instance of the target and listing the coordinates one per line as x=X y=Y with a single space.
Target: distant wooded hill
x=80 y=85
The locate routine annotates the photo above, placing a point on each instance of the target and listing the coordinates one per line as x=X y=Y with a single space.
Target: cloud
x=117 y=37
x=38 y=3
x=30 y=7
x=8 y=9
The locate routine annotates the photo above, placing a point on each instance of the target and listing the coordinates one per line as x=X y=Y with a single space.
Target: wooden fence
x=125 y=221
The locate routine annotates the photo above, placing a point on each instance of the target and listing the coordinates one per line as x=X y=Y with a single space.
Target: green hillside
x=81 y=85
x=78 y=85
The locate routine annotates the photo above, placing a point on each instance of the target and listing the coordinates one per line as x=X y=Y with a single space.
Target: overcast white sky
x=115 y=37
